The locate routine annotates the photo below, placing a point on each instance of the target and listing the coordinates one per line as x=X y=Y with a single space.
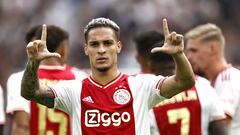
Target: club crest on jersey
x=121 y=96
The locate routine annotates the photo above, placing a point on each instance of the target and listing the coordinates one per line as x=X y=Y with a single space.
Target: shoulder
x=1 y=89
x=203 y=84
x=17 y=75
x=144 y=76
x=142 y=80
x=70 y=83
x=230 y=73
x=67 y=86
x=14 y=81
x=200 y=80
x=78 y=72
x=234 y=72
x=229 y=76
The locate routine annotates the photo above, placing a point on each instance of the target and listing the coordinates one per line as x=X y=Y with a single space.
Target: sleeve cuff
x=160 y=82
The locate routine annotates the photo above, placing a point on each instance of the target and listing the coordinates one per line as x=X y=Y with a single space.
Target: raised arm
x=184 y=76
x=30 y=87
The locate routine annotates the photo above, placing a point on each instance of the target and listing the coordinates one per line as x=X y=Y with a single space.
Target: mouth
x=102 y=59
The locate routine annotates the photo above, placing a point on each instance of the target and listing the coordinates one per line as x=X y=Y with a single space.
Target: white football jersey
x=120 y=107
x=189 y=112
x=42 y=119
x=2 y=114
x=15 y=102
x=227 y=86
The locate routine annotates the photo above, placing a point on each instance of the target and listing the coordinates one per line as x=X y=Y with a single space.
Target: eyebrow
x=106 y=40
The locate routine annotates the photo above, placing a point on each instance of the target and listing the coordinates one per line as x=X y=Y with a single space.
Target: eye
x=193 y=50
x=108 y=42
x=93 y=44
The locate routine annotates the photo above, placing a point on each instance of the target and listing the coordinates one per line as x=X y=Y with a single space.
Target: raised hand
x=37 y=49
x=173 y=43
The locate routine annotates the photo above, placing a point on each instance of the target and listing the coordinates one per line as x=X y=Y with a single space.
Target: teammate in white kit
x=196 y=111
x=18 y=108
x=2 y=114
x=205 y=50
x=107 y=102
x=51 y=71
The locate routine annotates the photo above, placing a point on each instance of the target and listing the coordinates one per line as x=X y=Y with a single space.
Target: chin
x=199 y=72
x=103 y=69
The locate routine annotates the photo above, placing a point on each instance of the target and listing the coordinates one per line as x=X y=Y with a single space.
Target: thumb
x=158 y=49
x=49 y=55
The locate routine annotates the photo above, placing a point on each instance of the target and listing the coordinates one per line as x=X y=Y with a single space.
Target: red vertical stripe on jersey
x=107 y=111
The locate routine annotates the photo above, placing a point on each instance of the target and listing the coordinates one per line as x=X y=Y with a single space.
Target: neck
x=145 y=70
x=105 y=77
x=215 y=68
x=52 y=61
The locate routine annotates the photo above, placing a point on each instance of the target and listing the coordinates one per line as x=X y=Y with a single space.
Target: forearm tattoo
x=45 y=97
x=31 y=89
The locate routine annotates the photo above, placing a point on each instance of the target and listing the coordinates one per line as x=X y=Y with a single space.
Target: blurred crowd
x=17 y=16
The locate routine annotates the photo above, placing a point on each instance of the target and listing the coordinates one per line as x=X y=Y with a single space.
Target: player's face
x=199 y=54
x=102 y=48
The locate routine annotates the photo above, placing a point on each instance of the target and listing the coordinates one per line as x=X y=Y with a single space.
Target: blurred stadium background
x=17 y=16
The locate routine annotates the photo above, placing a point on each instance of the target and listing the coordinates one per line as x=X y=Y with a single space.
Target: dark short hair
x=55 y=35
x=31 y=33
x=146 y=41
x=101 y=22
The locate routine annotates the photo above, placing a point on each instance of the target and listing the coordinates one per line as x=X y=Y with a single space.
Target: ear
x=85 y=49
x=138 y=58
x=119 y=46
x=63 y=48
x=213 y=48
x=63 y=51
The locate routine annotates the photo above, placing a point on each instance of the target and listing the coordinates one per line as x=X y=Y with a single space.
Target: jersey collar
x=52 y=67
x=106 y=85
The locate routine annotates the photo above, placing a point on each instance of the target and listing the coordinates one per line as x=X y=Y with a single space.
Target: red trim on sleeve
x=160 y=82
x=219 y=118
x=53 y=91
x=229 y=114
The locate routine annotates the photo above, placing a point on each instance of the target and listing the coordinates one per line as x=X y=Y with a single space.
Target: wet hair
x=146 y=41
x=30 y=35
x=101 y=22
x=207 y=32
x=55 y=36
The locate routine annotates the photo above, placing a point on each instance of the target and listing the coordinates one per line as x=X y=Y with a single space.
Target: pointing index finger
x=44 y=33
x=165 y=27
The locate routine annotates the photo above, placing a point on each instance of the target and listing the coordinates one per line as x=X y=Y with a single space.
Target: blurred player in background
x=17 y=108
x=2 y=114
x=107 y=102
x=43 y=121
x=205 y=50
x=196 y=111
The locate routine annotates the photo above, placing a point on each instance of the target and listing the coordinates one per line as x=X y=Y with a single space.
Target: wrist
x=178 y=54
x=33 y=64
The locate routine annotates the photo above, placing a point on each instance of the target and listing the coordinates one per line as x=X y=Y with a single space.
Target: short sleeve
x=229 y=94
x=15 y=102
x=2 y=114
x=79 y=74
x=147 y=86
x=210 y=102
x=67 y=95
x=217 y=111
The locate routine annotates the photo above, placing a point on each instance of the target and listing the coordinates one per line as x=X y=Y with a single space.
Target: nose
x=101 y=49
x=189 y=57
x=188 y=54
